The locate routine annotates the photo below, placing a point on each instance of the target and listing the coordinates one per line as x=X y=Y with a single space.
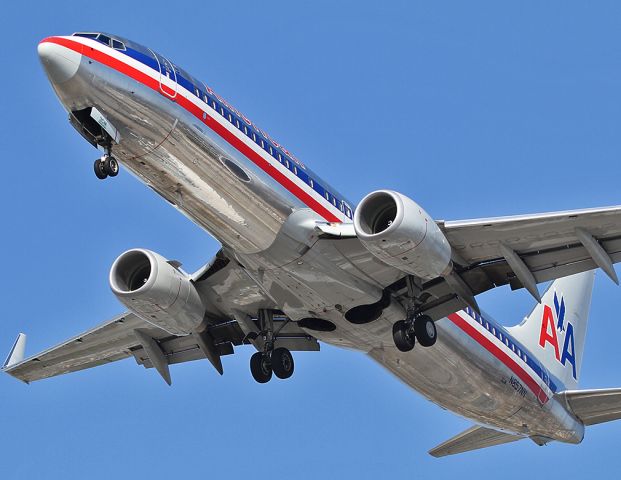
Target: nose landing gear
x=106 y=166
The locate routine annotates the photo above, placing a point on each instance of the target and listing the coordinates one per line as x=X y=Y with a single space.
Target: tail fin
x=555 y=330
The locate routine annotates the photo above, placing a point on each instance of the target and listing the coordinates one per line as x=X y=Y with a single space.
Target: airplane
x=299 y=265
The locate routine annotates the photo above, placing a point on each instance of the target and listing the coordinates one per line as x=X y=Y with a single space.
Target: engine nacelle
x=400 y=233
x=156 y=291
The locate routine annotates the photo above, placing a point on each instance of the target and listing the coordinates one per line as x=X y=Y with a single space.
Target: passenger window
x=237 y=123
x=327 y=196
x=295 y=169
x=311 y=183
x=213 y=104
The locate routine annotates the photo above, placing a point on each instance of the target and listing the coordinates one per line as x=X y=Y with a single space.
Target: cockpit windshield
x=103 y=38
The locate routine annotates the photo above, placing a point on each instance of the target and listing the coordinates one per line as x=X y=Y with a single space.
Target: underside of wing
x=232 y=301
x=108 y=342
x=509 y=250
x=474 y=438
x=521 y=251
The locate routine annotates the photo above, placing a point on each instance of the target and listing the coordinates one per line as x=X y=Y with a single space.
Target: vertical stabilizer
x=556 y=329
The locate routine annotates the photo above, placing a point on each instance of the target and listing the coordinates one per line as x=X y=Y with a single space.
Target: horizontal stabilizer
x=472 y=439
x=594 y=406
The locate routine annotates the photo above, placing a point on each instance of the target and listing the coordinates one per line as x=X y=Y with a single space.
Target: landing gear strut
x=278 y=361
x=106 y=166
x=415 y=326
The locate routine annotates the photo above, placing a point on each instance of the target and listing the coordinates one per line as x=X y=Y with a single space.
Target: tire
x=100 y=171
x=282 y=363
x=426 y=332
x=402 y=336
x=111 y=166
x=260 y=368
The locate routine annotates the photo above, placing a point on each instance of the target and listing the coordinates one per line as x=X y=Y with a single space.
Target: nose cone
x=61 y=63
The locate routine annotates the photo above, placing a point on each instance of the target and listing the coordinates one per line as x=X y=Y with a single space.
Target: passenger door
x=168 y=75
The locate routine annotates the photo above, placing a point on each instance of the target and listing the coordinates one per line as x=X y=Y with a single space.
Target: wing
x=108 y=342
x=525 y=250
x=521 y=251
x=472 y=439
x=594 y=406
x=232 y=323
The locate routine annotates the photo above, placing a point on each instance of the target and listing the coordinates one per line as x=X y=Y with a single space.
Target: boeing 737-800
x=299 y=265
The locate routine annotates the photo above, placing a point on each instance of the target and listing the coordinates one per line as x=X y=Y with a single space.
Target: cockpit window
x=86 y=35
x=103 y=38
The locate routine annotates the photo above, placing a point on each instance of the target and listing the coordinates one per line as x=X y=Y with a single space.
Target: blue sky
x=471 y=108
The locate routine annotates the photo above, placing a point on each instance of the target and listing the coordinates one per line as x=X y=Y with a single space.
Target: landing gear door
x=168 y=75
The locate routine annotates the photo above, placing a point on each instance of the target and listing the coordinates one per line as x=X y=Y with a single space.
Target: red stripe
x=218 y=128
x=500 y=355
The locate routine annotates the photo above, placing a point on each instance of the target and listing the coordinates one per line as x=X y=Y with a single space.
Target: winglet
x=16 y=354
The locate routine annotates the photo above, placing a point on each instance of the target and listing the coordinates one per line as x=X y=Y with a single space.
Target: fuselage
x=249 y=192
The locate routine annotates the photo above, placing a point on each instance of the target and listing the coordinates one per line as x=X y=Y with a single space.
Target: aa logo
x=557 y=332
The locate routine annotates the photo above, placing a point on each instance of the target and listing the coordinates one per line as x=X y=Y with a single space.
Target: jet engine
x=400 y=233
x=157 y=291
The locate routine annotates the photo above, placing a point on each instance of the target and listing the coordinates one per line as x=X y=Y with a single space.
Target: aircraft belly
x=455 y=373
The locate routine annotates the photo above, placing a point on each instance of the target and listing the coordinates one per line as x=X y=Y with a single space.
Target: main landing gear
x=106 y=166
x=406 y=332
x=278 y=361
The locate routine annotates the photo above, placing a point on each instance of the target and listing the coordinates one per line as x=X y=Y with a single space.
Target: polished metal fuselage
x=272 y=234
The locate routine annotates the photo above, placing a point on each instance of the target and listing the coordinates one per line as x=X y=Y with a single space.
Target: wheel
x=260 y=367
x=403 y=336
x=111 y=166
x=100 y=171
x=282 y=363
x=425 y=329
